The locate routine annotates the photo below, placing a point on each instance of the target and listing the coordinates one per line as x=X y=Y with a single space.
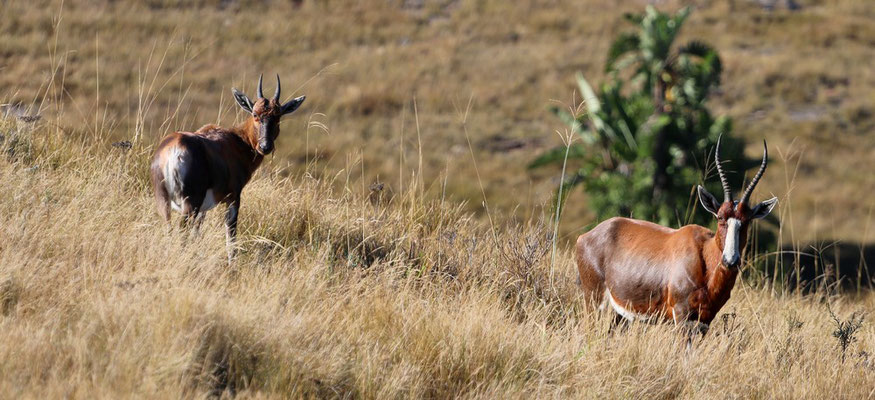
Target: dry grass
x=339 y=294
x=800 y=79
x=342 y=290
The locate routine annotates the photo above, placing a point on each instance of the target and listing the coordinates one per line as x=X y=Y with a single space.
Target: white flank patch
x=632 y=316
x=173 y=171
x=627 y=314
x=730 y=248
x=209 y=201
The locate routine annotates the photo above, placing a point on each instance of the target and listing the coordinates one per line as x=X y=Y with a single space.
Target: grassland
x=340 y=294
x=390 y=78
x=416 y=290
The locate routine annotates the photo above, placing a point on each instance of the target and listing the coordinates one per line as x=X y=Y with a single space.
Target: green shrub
x=646 y=136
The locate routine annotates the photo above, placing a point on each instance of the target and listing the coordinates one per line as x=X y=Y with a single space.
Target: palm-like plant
x=678 y=80
x=684 y=75
x=643 y=148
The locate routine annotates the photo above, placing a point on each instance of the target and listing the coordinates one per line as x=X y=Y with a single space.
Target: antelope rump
x=192 y=172
x=650 y=272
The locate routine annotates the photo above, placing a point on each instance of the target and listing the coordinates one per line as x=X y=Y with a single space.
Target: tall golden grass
x=343 y=288
x=123 y=69
x=344 y=293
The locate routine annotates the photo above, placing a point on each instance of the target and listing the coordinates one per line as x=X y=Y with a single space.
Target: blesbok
x=653 y=273
x=192 y=172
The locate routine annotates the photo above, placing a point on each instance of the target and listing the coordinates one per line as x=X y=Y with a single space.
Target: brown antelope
x=192 y=172
x=650 y=272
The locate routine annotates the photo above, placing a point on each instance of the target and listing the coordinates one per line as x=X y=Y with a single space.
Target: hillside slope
x=341 y=293
x=400 y=86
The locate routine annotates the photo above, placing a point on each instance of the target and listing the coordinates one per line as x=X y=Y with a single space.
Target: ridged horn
x=753 y=183
x=276 y=94
x=259 y=93
x=727 y=192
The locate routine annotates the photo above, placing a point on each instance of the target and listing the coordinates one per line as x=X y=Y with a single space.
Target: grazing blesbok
x=192 y=172
x=653 y=273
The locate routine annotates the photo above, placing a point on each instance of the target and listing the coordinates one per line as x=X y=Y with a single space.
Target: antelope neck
x=247 y=132
x=719 y=278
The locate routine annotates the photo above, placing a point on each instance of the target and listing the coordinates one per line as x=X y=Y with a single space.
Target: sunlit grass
x=799 y=79
x=347 y=289
x=337 y=295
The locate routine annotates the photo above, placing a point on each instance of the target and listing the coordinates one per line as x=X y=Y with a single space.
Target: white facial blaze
x=731 y=252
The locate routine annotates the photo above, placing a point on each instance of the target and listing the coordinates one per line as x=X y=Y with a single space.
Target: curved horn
x=259 y=94
x=727 y=192
x=276 y=94
x=753 y=183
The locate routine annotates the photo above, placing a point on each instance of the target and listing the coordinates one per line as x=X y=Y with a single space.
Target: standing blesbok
x=650 y=272
x=193 y=172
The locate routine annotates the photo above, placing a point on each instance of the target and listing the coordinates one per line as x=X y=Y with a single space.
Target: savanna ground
x=417 y=290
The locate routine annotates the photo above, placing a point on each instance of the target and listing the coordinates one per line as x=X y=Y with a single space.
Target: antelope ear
x=293 y=105
x=764 y=208
x=708 y=201
x=242 y=100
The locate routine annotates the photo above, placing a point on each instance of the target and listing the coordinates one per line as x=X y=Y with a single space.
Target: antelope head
x=734 y=217
x=266 y=114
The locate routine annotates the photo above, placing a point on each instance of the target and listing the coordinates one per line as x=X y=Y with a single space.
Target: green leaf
x=556 y=155
x=680 y=17
x=634 y=18
x=594 y=108
x=562 y=192
x=626 y=43
x=648 y=131
x=627 y=135
x=590 y=100
x=709 y=61
x=696 y=48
